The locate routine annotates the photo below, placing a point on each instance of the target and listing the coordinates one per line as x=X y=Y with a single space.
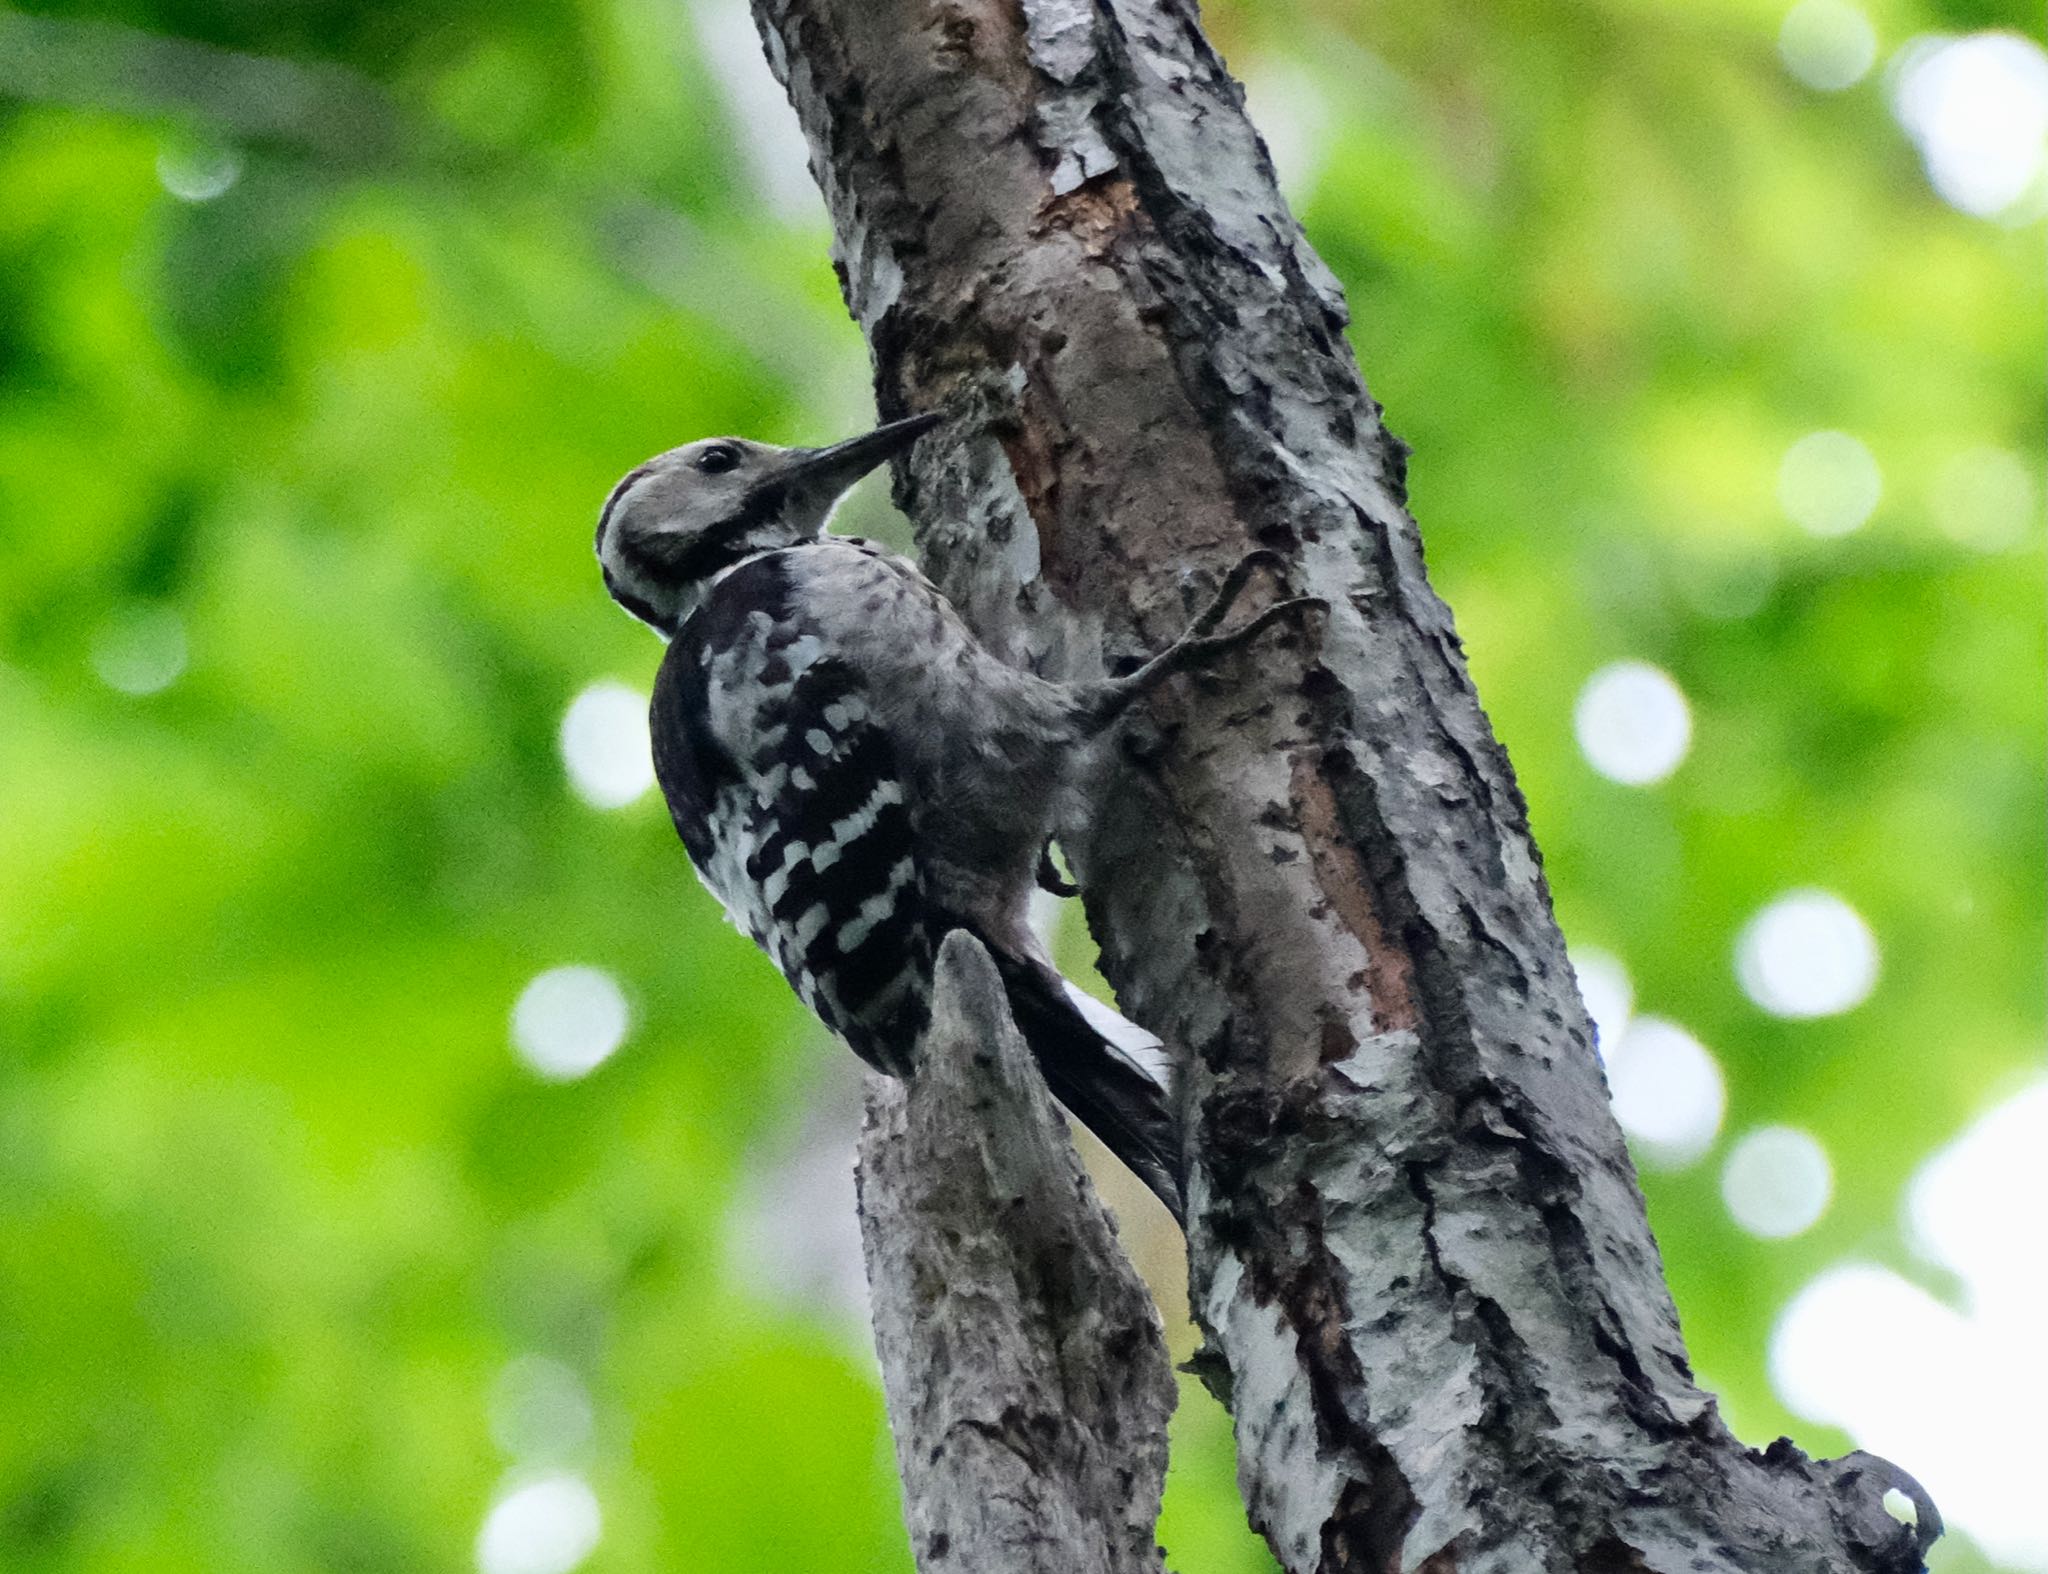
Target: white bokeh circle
x=1777 y=1182
x=1633 y=723
x=1807 y=954
x=569 y=1021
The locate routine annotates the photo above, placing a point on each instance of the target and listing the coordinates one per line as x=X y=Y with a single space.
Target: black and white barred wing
x=788 y=797
x=789 y=793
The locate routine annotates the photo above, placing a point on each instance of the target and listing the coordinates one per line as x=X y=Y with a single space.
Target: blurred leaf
x=324 y=329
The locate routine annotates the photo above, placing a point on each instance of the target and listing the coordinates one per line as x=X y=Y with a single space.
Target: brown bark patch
x=1368 y=1529
x=1029 y=449
x=1097 y=213
x=1340 y=876
x=1033 y=445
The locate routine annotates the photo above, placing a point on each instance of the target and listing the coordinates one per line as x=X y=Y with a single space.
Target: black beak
x=836 y=468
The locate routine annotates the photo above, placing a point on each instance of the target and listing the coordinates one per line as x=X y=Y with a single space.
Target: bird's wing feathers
x=784 y=783
x=833 y=873
x=786 y=792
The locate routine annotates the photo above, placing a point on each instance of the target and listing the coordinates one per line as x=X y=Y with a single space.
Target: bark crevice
x=1418 y=1254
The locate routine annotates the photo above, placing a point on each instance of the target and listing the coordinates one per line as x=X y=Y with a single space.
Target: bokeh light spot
x=544 y=1526
x=1971 y=1206
x=1985 y=498
x=605 y=747
x=140 y=651
x=540 y=1411
x=1807 y=954
x=1609 y=994
x=1959 y=1393
x=1977 y=108
x=1777 y=1182
x=569 y=1021
x=1633 y=723
x=1294 y=118
x=1910 y=1378
x=1667 y=1092
x=198 y=174
x=1855 y=1345
x=1827 y=44
x=1828 y=483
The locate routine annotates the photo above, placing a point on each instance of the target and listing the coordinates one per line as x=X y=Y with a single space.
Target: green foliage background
x=277 y=1201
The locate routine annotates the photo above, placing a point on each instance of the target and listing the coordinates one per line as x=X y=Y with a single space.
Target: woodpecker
x=854 y=774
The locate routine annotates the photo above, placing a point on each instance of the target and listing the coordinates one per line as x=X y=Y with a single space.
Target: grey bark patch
x=1026 y=1372
x=1416 y=1239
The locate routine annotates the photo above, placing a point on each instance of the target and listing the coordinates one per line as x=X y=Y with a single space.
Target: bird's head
x=672 y=525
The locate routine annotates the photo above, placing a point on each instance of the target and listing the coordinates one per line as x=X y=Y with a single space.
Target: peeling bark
x=1418 y=1250
x=1027 y=1377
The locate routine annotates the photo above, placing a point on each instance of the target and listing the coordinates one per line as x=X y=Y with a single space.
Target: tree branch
x=1418 y=1250
x=1027 y=1376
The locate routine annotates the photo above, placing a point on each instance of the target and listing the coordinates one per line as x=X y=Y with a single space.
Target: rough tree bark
x=1417 y=1248
x=1028 y=1382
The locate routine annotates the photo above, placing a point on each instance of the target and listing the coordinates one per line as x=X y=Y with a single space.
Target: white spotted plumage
x=854 y=774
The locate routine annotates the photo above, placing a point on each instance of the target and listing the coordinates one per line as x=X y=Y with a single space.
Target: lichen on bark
x=1417 y=1247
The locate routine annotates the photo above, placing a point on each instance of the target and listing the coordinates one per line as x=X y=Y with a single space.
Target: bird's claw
x=1233 y=585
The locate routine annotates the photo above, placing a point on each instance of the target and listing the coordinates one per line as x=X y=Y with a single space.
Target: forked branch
x=1027 y=1376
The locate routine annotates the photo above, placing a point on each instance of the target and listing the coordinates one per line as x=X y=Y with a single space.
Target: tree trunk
x=1417 y=1248
x=1028 y=1384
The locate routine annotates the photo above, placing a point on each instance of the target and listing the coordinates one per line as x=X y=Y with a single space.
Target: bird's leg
x=1240 y=575
x=1102 y=703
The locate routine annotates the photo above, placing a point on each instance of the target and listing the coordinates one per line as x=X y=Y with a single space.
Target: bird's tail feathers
x=1112 y=1075
x=1124 y=1037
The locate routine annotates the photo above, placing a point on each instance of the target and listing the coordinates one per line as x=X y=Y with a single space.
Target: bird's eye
x=718 y=459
